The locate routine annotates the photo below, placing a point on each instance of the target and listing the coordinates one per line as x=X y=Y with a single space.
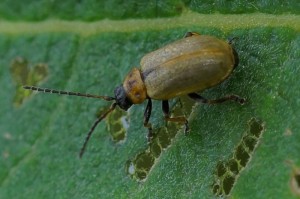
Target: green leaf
x=249 y=151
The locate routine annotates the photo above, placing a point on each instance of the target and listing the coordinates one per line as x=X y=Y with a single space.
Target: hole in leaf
x=19 y=70
x=163 y=137
x=141 y=175
x=228 y=184
x=23 y=74
x=295 y=180
x=155 y=149
x=250 y=142
x=130 y=168
x=242 y=155
x=288 y=132
x=183 y=106
x=144 y=161
x=221 y=169
x=256 y=127
x=216 y=189
x=38 y=73
x=117 y=124
x=141 y=165
x=233 y=166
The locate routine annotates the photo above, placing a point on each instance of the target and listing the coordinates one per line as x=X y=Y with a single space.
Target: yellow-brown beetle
x=186 y=66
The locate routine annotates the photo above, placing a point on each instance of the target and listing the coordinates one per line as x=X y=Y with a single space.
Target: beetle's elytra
x=184 y=67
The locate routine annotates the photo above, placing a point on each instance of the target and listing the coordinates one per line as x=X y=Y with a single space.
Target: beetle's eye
x=122 y=99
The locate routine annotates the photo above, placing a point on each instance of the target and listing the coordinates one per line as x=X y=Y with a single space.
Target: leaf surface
x=249 y=151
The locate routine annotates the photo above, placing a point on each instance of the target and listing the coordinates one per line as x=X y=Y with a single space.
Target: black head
x=121 y=98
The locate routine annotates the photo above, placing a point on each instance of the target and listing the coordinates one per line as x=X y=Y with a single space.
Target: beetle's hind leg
x=231 y=40
x=147 y=115
x=180 y=119
x=201 y=99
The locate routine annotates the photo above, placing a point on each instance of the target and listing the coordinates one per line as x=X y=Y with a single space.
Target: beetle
x=184 y=67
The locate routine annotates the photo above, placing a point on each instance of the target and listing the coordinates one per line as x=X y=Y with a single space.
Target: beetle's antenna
x=87 y=138
x=47 y=90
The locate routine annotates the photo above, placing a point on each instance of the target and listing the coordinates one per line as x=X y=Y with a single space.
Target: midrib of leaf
x=188 y=18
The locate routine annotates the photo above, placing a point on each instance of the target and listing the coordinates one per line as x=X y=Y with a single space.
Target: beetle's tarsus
x=150 y=135
x=242 y=101
x=186 y=128
x=180 y=119
x=147 y=124
x=236 y=98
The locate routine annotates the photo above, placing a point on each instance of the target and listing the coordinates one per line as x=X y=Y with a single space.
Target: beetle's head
x=121 y=98
x=236 y=58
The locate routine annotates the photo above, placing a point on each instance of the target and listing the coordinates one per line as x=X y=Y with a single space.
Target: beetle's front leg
x=147 y=115
x=201 y=99
x=180 y=119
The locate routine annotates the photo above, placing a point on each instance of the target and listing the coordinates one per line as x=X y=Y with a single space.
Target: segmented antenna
x=47 y=90
x=112 y=107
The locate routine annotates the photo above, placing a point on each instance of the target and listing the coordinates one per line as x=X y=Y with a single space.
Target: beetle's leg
x=231 y=40
x=189 y=34
x=201 y=99
x=180 y=119
x=147 y=115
